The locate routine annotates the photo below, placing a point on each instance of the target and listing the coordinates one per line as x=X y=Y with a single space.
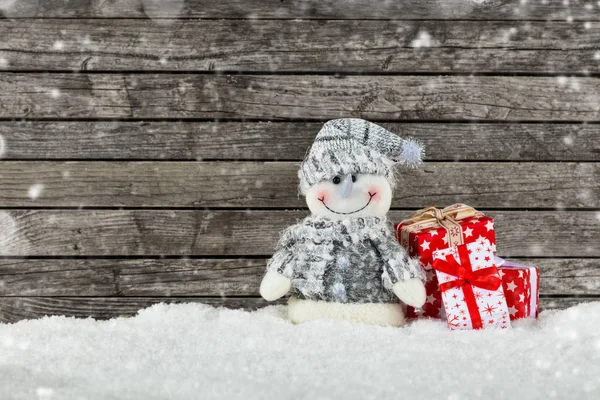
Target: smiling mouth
x=322 y=200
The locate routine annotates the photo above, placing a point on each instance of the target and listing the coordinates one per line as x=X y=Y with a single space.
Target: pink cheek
x=377 y=197
x=322 y=195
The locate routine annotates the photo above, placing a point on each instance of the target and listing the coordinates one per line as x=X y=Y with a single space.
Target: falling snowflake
x=2 y=146
x=58 y=45
x=422 y=40
x=44 y=393
x=55 y=93
x=35 y=191
x=3 y=63
x=568 y=140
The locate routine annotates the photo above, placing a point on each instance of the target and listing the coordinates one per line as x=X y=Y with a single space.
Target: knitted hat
x=351 y=145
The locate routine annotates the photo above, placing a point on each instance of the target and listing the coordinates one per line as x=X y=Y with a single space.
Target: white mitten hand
x=411 y=292
x=274 y=286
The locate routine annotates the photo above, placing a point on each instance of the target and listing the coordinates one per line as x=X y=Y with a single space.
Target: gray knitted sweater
x=355 y=260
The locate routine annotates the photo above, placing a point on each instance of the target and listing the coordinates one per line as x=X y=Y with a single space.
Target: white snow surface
x=195 y=351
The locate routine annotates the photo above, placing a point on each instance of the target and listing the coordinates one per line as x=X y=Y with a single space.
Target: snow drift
x=194 y=351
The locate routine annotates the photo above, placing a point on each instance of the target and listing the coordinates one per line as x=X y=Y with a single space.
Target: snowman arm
x=277 y=280
x=402 y=274
x=397 y=264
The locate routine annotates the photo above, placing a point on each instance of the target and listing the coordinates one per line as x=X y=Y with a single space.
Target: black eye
x=353 y=178
x=336 y=180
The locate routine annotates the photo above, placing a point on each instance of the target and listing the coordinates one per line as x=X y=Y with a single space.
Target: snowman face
x=348 y=196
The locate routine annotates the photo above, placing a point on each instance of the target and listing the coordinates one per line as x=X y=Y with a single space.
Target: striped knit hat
x=352 y=146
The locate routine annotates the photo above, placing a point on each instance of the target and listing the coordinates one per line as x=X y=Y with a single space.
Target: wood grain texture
x=241 y=233
x=127 y=277
x=560 y=303
x=301 y=46
x=356 y=9
x=14 y=309
x=306 y=97
x=275 y=184
x=26 y=140
x=214 y=277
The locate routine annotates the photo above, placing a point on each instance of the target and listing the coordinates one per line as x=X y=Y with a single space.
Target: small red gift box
x=431 y=229
x=521 y=285
x=471 y=286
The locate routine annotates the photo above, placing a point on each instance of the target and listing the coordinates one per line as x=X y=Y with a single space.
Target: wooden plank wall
x=149 y=149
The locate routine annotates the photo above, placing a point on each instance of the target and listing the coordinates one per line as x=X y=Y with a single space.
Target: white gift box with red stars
x=472 y=295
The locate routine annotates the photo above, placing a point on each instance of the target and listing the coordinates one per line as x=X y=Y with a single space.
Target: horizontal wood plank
x=252 y=232
x=214 y=277
x=301 y=46
x=26 y=140
x=560 y=303
x=275 y=184
x=131 y=277
x=14 y=309
x=303 y=97
x=356 y=9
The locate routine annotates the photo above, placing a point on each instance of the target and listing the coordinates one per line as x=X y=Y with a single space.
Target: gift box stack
x=466 y=283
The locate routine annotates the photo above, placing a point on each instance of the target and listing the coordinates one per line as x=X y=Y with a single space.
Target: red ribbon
x=467 y=278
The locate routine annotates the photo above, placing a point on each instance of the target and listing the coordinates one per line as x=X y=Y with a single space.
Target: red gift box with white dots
x=521 y=288
x=422 y=243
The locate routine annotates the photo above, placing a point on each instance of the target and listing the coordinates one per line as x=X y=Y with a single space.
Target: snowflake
x=562 y=81
x=568 y=140
x=44 y=393
x=422 y=40
x=35 y=191
x=2 y=146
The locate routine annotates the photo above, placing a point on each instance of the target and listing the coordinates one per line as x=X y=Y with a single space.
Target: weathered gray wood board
x=275 y=184
x=356 y=9
x=306 y=97
x=127 y=277
x=214 y=277
x=13 y=309
x=301 y=45
x=122 y=140
x=140 y=125
x=251 y=232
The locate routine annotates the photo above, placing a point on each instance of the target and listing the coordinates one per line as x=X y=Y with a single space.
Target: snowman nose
x=346 y=186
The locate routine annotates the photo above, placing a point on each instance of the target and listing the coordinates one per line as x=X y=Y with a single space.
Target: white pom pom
x=412 y=153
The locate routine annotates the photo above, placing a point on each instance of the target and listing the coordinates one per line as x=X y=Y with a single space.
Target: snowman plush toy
x=343 y=262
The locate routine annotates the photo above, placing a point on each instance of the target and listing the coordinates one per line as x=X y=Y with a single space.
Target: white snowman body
x=342 y=261
x=347 y=197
